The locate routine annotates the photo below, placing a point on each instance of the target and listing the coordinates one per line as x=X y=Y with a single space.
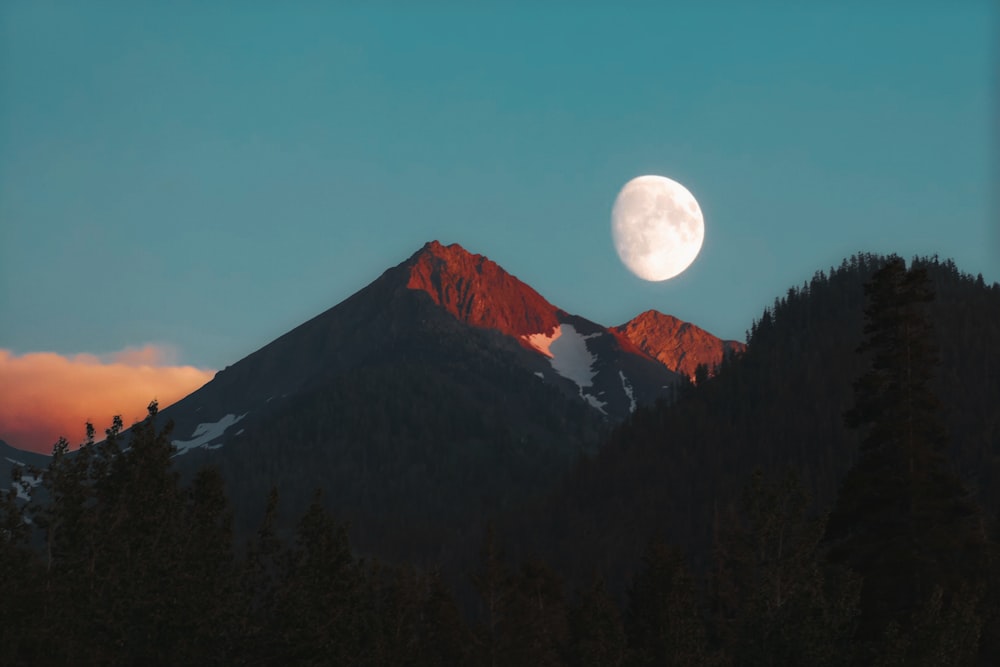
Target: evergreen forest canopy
x=828 y=498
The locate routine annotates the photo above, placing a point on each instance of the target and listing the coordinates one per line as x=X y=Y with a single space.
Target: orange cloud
x=44 y=395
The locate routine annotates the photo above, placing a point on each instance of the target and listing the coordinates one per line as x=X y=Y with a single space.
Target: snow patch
x=543 y=341
x=627 y=386
x=570 y=356
x=567 y=351
x=594 y=402
x=572 y=360
x=31 y=480
x=204 y=434
x=540 y=374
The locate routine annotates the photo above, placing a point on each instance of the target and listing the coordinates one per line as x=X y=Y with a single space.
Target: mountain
x=445 y=391
x=678 y=345
x=419 y=426
x=439 y=288
x=605 y=369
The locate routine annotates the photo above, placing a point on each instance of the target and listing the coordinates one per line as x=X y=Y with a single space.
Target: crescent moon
x=657 y=227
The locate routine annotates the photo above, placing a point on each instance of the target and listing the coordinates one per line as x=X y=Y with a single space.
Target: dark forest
x=827 y=497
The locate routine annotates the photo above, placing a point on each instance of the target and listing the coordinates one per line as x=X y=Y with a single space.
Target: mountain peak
x=658 y=319
x=477 y=291
x=452 y=251
x=679 y=345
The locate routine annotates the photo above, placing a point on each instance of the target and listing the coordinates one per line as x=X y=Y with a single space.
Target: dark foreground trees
x=903 y=520
x=123 y=562
x=132 y=566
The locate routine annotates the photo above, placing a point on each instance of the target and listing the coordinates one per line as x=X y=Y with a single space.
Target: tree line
x=117 y=560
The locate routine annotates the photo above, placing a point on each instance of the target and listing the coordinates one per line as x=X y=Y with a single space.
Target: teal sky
x=208 y=178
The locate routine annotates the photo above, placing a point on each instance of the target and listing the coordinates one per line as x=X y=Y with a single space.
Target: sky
x=181 y=183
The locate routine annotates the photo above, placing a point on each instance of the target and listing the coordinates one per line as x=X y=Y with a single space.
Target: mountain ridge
x=437 y=288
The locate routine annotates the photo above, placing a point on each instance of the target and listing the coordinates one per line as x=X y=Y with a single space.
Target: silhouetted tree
x=775 y=603
x=597 y=636
x=319 y=606
x=492 y=583
x=903 y=520
x=664 y=622
x=443 y=638
x=537 y=619
x=21 y=642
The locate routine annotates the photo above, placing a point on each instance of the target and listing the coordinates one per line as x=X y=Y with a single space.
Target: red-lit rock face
x=478 y=292
x=678 y=345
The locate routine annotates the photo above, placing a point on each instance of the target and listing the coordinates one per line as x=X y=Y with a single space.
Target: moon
x=657 y=227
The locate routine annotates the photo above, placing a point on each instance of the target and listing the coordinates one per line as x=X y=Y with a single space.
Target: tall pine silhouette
x=903 y=520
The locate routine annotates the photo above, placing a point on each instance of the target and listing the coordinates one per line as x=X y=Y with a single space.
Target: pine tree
x=319 y=606
x=903 y=519
x=135 y=544
x=775 y=604
x=20 y=573
x=597 y=636
x=257 y=586
x=664 y=623
x=538 y=622
x=492 y=583
x=443 y=638
x=391 y=625
x=205 y=575
x=141 y=564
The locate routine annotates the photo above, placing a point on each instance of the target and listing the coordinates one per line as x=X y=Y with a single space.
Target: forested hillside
x=673 y=471
x=828 y=497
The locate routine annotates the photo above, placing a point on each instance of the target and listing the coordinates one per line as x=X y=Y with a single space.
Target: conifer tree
x=538 y=625
x=204 y=575
x=20 y=573
x=319 y=605
x=597 y=636
x=257 y=586
x=141 y=564
x=443 y=638
x=903 y=519
x=775 y=604
x=492 y=583
x=664 y=623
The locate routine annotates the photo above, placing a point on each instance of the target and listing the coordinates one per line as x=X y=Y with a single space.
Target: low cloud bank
x=44 y=395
